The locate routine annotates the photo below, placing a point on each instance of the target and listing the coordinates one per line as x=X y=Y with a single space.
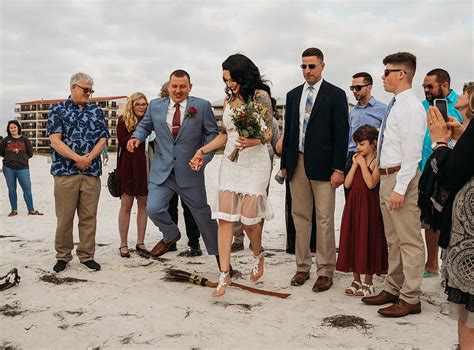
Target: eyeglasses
x=387 y=72
x=429 y=86
x=358 y=87
x=310 y=66
x=85 y=90
x=141 y=105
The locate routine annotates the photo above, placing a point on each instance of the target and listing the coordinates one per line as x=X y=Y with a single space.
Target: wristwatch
x=439 y=143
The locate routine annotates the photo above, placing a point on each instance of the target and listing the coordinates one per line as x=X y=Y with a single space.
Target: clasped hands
x=83 y=162
x=358 y=160
x=197 y=162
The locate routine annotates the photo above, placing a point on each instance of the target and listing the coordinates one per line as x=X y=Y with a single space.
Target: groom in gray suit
x=182 y=124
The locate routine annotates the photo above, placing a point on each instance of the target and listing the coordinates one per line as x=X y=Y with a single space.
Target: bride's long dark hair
x=245 y=73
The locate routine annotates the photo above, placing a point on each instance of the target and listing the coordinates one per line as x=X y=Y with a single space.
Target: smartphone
x=442 y=105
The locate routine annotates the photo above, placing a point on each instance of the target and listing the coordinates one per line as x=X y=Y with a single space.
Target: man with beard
x=436 y=85
x=366 y=111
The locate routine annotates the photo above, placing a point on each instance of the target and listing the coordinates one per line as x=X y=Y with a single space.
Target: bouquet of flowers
x=250 y=120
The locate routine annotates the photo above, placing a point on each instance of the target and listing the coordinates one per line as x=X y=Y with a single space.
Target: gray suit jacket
x=195 y=131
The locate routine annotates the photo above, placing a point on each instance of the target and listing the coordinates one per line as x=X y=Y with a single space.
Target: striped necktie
x=382 y=130
x=307 y=113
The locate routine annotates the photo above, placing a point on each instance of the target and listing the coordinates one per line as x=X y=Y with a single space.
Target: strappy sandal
x=224 y=282
x=143 y=252
x=365 y=290
x=350 y=291
x=13 y=213
x=36 y=212
x=258 y=267
x=126 y=254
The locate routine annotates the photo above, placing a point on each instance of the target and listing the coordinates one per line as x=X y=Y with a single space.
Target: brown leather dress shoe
x=402 y=308
x=299 y=278
x=322 y=283
x=383 y=297
x=162 y=247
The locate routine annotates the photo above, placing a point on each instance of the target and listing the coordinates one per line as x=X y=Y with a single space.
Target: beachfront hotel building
x=33 y=117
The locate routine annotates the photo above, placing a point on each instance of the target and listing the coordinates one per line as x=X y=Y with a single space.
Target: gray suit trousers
x=195 y=198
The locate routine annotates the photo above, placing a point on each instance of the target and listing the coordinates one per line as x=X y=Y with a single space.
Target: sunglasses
x=387 y=72
x=357 y=87
x=85 y=90
x=142 y=105
x=429 y=86
x=310 y=66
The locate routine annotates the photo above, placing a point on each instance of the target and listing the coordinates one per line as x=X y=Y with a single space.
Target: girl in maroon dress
x=132 y=175
x=362 y=244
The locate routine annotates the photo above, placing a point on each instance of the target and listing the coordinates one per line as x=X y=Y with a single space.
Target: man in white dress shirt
x=398 y=154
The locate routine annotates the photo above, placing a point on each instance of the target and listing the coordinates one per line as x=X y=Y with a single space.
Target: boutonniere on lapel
x=191 y=112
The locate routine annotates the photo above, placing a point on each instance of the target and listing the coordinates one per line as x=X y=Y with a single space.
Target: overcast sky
x=133 y=45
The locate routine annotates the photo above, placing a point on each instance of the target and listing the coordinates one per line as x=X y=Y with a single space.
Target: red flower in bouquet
x=250 y=120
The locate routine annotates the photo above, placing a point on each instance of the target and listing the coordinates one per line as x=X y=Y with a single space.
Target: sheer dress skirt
x=242 y=189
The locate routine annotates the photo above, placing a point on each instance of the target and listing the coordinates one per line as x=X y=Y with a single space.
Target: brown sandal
x=126 y=254
x=36 y=212
x=13 y=213
x=143 y=252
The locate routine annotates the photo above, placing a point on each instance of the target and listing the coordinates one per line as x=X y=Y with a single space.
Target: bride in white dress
x=242 y=185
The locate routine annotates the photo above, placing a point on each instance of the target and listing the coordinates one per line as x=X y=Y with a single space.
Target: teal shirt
x=452 y=98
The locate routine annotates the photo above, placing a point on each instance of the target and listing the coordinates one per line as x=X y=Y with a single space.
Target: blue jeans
x=23 y=176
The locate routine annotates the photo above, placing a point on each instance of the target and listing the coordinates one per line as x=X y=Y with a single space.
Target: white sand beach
x=128 y=305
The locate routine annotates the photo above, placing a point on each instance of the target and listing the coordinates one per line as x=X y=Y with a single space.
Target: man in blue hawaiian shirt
x=78 y=134
x=435 y=85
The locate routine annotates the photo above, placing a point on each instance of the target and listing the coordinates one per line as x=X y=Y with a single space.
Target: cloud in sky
x=132 y=46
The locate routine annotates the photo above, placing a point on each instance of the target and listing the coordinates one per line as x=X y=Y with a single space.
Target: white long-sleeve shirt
x=403 y=138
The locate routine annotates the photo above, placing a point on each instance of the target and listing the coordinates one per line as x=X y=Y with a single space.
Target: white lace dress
x=242 y=188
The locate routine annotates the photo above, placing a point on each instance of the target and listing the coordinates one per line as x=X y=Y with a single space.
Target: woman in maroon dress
x=132 y=175
x=362 y=244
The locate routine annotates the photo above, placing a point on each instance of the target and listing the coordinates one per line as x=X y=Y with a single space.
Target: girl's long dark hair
x=244 y=72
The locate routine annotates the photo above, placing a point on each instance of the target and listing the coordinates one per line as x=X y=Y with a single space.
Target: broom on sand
x=174 y=275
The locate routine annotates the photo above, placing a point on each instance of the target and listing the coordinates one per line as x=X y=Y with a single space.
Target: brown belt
x=388 y=171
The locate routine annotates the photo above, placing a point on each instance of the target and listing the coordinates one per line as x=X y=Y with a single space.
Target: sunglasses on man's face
x=86 y=90
x=429 y=86
x=357 y=87
x=310 y=66
x=387 y=72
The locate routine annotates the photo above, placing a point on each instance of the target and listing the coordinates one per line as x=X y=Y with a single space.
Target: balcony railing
x=28 y=108
x=28 y=125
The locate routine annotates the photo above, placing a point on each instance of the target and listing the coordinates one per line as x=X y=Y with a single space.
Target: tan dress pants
x=304 y=194
x=406 y=250
x=71 y=193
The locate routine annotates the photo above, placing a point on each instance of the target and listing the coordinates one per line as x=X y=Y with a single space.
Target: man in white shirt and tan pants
x=398 y=154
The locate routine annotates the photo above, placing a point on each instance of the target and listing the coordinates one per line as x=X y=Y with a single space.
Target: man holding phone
x=436 y=86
